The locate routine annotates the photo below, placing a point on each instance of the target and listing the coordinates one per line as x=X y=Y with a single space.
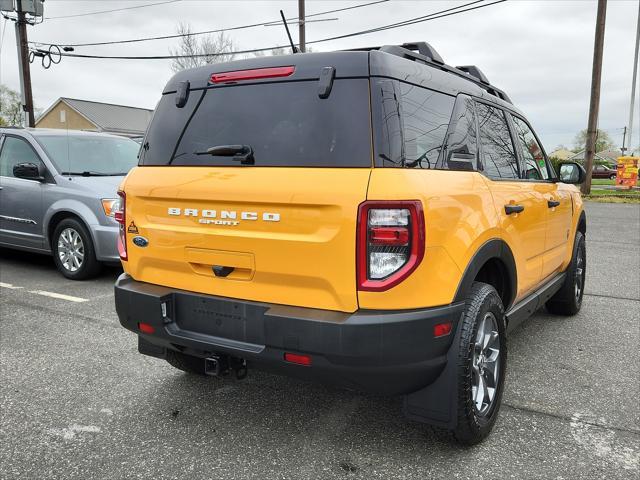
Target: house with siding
x=75 y=114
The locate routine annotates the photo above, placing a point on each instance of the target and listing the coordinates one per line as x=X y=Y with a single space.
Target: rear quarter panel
x=459 y=217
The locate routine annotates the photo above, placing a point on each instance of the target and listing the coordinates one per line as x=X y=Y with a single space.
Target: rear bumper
x=385 y=352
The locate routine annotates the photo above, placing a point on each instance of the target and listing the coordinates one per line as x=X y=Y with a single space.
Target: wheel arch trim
x=492 y=249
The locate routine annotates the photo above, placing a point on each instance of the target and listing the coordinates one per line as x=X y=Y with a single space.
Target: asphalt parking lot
x=78 y=401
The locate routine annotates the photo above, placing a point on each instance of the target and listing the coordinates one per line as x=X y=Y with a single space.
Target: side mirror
x=28 y=171
x=572 y=173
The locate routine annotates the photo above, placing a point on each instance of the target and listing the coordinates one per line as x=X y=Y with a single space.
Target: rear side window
x=285 y=123
x=410 y=123
x=498 y=155
x=535 y=164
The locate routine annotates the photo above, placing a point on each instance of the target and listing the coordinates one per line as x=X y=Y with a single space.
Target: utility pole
x=633 y=85
x=624 y=135
x=23 y=64
x=594 y=106
x=302 y=35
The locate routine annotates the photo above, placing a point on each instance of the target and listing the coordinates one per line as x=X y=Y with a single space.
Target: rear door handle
x=553 y=203
x=511 y=209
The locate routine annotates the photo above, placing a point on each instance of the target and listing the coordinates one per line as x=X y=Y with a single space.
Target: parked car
x=603 y=171
x=58 y=195
x=376 y=219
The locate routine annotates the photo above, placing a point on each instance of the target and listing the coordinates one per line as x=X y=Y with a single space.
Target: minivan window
x=15 y=151
x=498 y=155
x=285 y=123
x=98 y=154
x=411 y=123
x=535 y=164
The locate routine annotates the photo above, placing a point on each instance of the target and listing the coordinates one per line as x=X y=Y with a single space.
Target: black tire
x=568 y=300
x=186 y=363
x=475 y=424
x=90 y=267
x=612 y=177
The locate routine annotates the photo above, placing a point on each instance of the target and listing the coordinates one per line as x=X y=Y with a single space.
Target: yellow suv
x=372 y=218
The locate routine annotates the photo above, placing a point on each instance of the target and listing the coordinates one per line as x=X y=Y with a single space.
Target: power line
x=411 y=21
x=228 y=29
x=114 y=10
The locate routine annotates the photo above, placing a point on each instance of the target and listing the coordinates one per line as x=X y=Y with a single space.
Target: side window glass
x=462 y=148
x=498 y=155
x=535 y=165
x=14 y=151
x=410 y=124
x=425 y=118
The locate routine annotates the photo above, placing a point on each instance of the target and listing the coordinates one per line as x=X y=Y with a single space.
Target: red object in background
x=627 y=176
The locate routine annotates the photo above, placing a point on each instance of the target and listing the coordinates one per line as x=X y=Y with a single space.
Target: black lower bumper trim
x=386 y=352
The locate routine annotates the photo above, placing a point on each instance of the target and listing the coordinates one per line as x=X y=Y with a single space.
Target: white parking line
x=8 y=285
x=59 y=296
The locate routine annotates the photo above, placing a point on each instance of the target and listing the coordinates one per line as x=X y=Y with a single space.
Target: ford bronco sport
x=373 y=218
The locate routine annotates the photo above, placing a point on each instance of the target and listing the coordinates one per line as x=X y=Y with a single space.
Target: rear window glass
x=285 y=123
x=410 y=122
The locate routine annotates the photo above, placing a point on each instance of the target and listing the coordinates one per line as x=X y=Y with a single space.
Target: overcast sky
x=539 y=52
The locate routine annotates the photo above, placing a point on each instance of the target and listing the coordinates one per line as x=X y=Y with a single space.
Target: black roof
x=416 y=63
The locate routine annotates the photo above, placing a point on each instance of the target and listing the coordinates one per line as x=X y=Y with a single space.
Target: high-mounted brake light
x=390 y=242
x=254 y=74
x=120 y=216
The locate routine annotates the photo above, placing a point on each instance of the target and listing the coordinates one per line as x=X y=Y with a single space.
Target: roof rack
x=424 y=53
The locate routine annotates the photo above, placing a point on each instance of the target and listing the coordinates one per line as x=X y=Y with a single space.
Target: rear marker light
x=442 y=329
x=120 y=216
x=146 y=328
x=254 y=74
x=298 y=359
x=390 y=242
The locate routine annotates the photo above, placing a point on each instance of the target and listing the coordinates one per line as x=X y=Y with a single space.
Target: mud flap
x=436 y=404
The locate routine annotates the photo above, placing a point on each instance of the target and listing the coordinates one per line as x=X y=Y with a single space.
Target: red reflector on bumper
x=146 y=328
x=442 y=329
x=297 y=359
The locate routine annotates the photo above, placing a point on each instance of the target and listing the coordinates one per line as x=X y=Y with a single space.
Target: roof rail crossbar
x=475 y=72
x=468 y=72
x=423 y=48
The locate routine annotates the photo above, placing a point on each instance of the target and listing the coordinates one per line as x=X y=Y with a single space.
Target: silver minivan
x=58 y=195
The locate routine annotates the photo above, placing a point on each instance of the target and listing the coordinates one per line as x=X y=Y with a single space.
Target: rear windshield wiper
x=88 y=173
x=239 y=153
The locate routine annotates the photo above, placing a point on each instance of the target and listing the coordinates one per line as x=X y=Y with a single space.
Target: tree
x=215 y=48
x=603 y=140
x=10 y=107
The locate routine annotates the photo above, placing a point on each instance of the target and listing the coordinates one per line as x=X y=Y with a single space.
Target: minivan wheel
x=73 y=251
x=568 y=300
x=482 y=361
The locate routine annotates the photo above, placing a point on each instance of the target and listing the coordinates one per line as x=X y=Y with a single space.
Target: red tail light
x=390 y=242
x=254 y=74
x=442 y=329
x=121 y=218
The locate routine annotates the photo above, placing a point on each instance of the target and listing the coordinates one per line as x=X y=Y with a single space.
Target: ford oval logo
x=140 y=241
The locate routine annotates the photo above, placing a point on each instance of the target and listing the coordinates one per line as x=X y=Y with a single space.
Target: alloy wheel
x=70 y=250
x=579 y=275
x=486 y=364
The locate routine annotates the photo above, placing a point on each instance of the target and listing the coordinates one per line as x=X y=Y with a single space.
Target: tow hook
x=239 y=366
x=221 y=365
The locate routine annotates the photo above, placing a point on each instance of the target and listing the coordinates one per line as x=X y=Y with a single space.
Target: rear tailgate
x=285 y=221
x=288 y=233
